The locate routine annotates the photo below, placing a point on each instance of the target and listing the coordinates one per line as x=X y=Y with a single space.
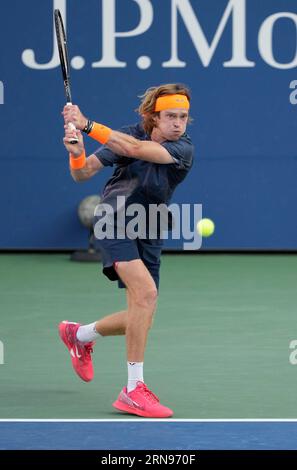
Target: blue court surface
x=139 y=435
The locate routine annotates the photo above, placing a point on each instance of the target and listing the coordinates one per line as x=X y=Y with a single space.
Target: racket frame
x=64 y=62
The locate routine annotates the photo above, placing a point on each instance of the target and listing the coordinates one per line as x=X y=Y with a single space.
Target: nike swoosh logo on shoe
x=76 y=353
x=125 y=399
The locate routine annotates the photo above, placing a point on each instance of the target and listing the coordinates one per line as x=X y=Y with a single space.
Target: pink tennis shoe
x=141 y=402
x=80 y=352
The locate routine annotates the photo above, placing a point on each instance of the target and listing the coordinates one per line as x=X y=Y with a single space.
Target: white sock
x=135 y=374
x=87 y=333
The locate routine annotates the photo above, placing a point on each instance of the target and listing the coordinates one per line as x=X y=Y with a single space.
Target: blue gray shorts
x=113 y=251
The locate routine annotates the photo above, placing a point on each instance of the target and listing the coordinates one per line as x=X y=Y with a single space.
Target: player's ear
x=156 y=117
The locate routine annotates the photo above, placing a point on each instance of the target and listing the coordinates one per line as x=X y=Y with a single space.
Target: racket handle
x=72 y=127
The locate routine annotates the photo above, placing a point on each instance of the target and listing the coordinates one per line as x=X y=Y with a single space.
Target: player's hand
x=73 y=114
x=75 y=149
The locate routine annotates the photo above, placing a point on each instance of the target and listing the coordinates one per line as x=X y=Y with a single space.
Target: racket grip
x=72 y=127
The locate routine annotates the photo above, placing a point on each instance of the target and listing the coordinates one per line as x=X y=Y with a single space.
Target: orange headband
x=171 y=101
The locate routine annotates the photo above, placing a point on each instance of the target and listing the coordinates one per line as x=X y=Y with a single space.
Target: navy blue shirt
x=145 y=182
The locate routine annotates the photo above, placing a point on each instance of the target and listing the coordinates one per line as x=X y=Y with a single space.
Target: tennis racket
x=64 y=61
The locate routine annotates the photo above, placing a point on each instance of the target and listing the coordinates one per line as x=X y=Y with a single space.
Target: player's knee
x=146 y=298
x=149 y=298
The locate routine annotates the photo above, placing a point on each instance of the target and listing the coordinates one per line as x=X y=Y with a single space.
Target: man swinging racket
x=151 y=158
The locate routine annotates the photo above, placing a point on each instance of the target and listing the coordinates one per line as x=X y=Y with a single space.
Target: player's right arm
x=93 y=164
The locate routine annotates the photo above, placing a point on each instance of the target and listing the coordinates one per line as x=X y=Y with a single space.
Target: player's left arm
x=123 y=144
x=127 y=145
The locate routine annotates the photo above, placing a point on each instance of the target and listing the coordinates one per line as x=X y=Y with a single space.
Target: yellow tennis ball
x=205 y=227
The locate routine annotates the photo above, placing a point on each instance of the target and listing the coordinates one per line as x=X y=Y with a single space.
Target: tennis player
x=151 y=158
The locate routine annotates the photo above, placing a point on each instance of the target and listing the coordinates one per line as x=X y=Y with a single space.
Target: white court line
x=154 y=420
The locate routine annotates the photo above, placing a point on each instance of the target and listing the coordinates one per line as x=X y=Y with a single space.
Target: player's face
x=172 y=123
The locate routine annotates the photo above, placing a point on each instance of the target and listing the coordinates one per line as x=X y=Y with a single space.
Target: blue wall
x=244 y=125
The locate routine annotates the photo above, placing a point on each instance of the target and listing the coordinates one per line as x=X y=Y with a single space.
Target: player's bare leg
x=112 y=325
x=142 y=298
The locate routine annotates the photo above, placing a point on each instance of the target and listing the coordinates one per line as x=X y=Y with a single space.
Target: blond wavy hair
x=149 y=98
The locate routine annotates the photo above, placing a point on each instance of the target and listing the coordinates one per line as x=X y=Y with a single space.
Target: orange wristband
x=100 y=133
x=77 y=163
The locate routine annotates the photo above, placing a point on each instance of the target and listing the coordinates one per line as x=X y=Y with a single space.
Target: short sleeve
x=106 y=156
x=181 y=151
